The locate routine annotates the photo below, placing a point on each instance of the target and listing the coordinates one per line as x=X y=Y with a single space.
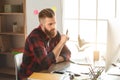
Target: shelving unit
x=12 y=12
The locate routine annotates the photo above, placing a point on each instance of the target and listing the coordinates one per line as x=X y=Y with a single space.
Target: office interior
x=93 y=28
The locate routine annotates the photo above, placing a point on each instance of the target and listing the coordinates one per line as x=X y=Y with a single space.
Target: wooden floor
x=1 y=78
x=6 y=77
x=7 y=70
x=7 y=73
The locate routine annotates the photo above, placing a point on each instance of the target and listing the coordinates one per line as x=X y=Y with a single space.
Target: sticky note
x=36 y=12
x=54 y=8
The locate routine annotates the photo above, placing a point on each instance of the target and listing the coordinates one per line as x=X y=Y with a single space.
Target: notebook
x=46 y=76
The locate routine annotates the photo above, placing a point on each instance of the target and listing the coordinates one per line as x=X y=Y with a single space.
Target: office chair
x=18 y=61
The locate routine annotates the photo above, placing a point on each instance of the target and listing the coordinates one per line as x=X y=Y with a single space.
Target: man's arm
x=57 y=50
x=35 y=53
x=64 y=55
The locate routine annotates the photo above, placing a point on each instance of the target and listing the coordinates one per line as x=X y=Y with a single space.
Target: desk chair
x=18 y=61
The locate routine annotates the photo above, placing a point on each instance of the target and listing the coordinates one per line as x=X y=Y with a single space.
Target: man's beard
x=50 y=33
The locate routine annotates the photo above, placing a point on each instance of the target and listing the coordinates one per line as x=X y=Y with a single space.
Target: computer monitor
x=113 y=58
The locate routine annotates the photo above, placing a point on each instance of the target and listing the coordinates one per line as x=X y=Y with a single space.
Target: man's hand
x=59 y=47
x=64 y=38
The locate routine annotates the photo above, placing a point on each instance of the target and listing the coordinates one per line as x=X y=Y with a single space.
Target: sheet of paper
x=114 y=71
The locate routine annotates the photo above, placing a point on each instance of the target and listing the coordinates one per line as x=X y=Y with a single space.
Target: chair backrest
x=18 y=61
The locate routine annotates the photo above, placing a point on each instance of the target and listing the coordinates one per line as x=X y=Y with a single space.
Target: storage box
x=16 y=8
x=12 y=8
x=7 y=8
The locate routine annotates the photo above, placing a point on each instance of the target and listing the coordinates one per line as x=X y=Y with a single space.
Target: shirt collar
x=43 y=34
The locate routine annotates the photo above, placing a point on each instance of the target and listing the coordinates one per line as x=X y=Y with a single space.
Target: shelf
x=11 y=33
x=15 y=13
x=11 y=11
x=2 y=53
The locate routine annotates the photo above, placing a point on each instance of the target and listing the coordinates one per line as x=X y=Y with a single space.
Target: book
x=46 y=76
x=0 y=24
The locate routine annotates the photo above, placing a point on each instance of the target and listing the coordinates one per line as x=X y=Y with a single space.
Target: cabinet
x=12 y=32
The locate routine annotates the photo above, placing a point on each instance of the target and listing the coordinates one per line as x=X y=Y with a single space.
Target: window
x=88 y=20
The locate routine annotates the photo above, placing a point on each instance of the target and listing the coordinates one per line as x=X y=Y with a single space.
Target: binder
x=46 y=76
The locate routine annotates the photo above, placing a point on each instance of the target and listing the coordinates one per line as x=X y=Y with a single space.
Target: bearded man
x=44 y=46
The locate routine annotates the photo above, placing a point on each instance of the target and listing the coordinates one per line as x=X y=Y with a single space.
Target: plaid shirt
x=38 y=53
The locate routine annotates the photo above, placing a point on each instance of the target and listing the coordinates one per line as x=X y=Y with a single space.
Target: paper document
x=115 y=71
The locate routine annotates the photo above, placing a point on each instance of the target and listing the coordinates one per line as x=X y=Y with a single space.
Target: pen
x=114 y=74
x=67 y=32
x=58 y=72
x=115 y=65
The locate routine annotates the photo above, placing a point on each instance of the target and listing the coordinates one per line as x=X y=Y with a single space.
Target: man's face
x=49 y=27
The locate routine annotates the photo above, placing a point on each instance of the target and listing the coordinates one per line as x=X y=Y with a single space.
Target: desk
x=68 y=67
x=79 y=69
x=59 y=66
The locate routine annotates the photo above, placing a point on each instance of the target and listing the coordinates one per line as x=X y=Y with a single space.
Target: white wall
x=32 y=19
x=114 y=35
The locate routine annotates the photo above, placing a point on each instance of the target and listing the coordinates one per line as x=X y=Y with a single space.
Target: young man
x=44 y=46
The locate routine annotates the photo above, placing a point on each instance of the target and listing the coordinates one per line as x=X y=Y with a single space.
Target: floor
x=6 y=77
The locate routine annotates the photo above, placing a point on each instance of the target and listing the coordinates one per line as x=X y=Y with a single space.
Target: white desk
x=79 y=69
x=67 y=66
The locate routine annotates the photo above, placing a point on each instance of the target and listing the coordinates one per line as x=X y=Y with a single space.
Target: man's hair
x=46 y=13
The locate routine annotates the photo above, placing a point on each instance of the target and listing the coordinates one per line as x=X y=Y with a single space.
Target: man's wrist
x=59 y=59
